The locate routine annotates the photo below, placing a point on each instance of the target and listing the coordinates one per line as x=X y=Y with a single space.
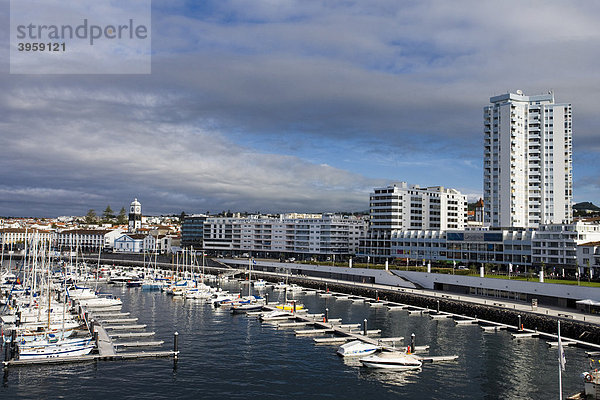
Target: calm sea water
x=226 y=356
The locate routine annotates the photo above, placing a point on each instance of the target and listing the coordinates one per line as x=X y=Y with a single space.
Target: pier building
x=503 y=248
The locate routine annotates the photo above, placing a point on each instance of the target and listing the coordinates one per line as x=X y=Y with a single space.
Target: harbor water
x=226 y=356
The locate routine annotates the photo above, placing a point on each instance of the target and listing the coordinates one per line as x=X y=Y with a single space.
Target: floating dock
x=106 y=349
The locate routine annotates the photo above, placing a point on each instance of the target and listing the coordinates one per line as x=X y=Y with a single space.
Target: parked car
x=462 y=267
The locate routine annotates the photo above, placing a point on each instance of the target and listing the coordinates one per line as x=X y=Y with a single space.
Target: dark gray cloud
x=401 y=85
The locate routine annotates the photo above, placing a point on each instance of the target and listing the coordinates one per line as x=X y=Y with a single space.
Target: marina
x=327 y=320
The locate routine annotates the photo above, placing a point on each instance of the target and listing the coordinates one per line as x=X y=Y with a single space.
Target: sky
x=293 y=106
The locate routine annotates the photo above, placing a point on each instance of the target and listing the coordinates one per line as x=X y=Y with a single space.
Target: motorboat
x=357 y=348
x=134 y=283
x=224 y=297
x=260 y=284
x=392 y=360
x=198 y=294
x=249 y=303
x=591 y=386
x=244 y=308
x=275 y=315
x=293 y=288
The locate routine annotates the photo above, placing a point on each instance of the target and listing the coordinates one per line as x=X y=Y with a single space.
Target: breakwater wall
x=494 y=311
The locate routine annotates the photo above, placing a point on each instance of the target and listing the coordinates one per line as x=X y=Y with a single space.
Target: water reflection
x=389 y=377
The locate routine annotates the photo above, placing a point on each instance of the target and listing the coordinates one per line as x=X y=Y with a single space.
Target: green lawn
x=441 y=270
x=536 y=279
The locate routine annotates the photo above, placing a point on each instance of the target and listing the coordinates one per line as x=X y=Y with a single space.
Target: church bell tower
x=135 y=216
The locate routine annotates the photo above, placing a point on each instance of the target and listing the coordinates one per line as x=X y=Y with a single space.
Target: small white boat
x=246 y=307
x=392 y=360
x=198 y=294
x=293 y=288
x=81 y=293
x=279 y=286
x=275 y=315
x=260 y=284
x=224 y=297
x=100 y=302
x=592 y=384
x=357 y=348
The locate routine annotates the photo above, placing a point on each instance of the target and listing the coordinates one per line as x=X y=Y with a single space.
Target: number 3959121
x=23 y=46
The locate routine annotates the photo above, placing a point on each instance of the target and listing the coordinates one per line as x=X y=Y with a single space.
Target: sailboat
x=250 y=303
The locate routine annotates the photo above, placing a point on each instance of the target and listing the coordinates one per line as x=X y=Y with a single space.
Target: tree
x=122 y=217
x=108 y=214
x=91 y=217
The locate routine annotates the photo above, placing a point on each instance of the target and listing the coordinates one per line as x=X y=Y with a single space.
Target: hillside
x=586 y=206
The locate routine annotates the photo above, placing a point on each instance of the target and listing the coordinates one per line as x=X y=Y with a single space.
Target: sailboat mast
x=249 y=276
x=98 y=266
x=560 y=364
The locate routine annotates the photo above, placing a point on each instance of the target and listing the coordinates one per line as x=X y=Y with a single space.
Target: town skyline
x=301 y=107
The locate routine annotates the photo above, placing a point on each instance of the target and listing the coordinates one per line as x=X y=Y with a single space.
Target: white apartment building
x=403 y=207
x=84 y=240
x=218 y=233
x=527 y=161
x=557 y=244
x=588 y=256
x=13 y=238
x=410 y=207
x=308 y=234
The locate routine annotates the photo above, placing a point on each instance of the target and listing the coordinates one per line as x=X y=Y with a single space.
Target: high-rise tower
x=135 y=215
x=527 y=179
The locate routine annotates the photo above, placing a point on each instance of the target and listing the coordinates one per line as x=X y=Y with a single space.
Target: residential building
x=217 y=234
x=527 y=161
x=557 y=244
x=410 y=207
x=403 y=207
x=82 y=240
x=15 y=238
x=588 y=257
x=110 y=237
x=290 y=234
